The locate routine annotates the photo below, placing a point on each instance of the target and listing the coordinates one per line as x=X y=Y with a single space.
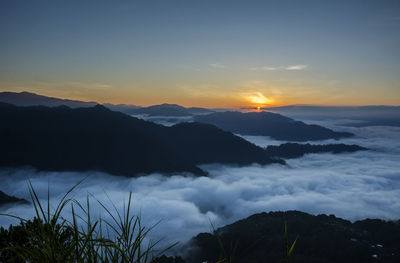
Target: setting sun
x=259 y=99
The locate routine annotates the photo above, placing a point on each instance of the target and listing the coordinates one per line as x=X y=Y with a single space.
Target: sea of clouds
x=353 y=186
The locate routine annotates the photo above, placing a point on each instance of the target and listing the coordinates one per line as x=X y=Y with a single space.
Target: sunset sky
x=203 y=53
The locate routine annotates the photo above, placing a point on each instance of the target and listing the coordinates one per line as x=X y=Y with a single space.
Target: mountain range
x=96 y=138
x=253 y=123
x=168 y=110
x=25 y=98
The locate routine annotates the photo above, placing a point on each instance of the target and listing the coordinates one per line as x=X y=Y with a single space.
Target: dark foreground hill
x=295 y=150
x=7 y=199
x=82 y=139
x=269 y=124
x=321 y=239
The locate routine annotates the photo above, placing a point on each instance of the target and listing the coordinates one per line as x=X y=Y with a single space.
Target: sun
x=259 y=99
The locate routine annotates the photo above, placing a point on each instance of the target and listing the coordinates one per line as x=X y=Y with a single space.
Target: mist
x=353 y=186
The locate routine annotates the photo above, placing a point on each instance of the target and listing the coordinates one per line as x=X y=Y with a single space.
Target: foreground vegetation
x=49 y=237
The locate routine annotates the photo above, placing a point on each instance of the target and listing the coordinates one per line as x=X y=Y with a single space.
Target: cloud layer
x=352 y=186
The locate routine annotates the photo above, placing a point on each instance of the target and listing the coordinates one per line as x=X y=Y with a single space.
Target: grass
x=49 y=237
x=288 y=247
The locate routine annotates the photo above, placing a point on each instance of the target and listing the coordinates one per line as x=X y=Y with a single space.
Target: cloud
x=215 y=65
x=267 y=68
x=296 y=67
x=353 y=186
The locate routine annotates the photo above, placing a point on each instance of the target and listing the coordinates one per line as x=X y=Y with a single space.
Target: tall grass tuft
x=288 y=247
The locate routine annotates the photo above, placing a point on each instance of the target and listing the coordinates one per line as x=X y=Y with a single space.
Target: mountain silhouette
x=96 y=138
x=295 y=150
x=7 y=199
x=354 y=116
x=269 y=124
x=31 y=99
x=168 y=110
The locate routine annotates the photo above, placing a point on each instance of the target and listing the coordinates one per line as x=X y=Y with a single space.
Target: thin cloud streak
x=216 y=65
x=291 y=67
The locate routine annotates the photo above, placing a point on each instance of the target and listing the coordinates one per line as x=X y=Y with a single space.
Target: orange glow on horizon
x=258 y=100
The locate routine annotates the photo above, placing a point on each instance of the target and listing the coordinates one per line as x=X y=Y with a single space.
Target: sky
x=203 y=53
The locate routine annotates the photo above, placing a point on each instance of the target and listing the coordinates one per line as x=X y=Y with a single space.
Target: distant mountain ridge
x=7 y=199
x=82 y=139
x=295 y=150
x=269 y=124
x=355 y=116
x=169 y=110
x=25 y=98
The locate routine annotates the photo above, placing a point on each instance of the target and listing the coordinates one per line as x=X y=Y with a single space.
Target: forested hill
x=321 y=239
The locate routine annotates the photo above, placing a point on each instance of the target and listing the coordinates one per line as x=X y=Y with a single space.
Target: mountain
x=322 y=238
x=31 y=99
x=6 y=199
x=162 y=110
x=168 y=110
x=269 y=124
x=125 y=108
x=359 y=116
x=198 y=110
x=295 y=150
x=207 y=144
x=82 y=139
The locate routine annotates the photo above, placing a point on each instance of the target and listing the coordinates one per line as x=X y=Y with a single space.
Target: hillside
x=322 y=239
x=82 y=139
x=269 y=124
x=295 y=150
x=31 y=99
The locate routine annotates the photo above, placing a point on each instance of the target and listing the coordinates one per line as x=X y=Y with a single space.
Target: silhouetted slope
x=322 y=239
x=208 y=144
x=269 y=124
x=83 y=139
x=168 y=110
x=6 y=199
x=99 y=139
x=31 y=99
x=161 y=110
x=295 y=150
